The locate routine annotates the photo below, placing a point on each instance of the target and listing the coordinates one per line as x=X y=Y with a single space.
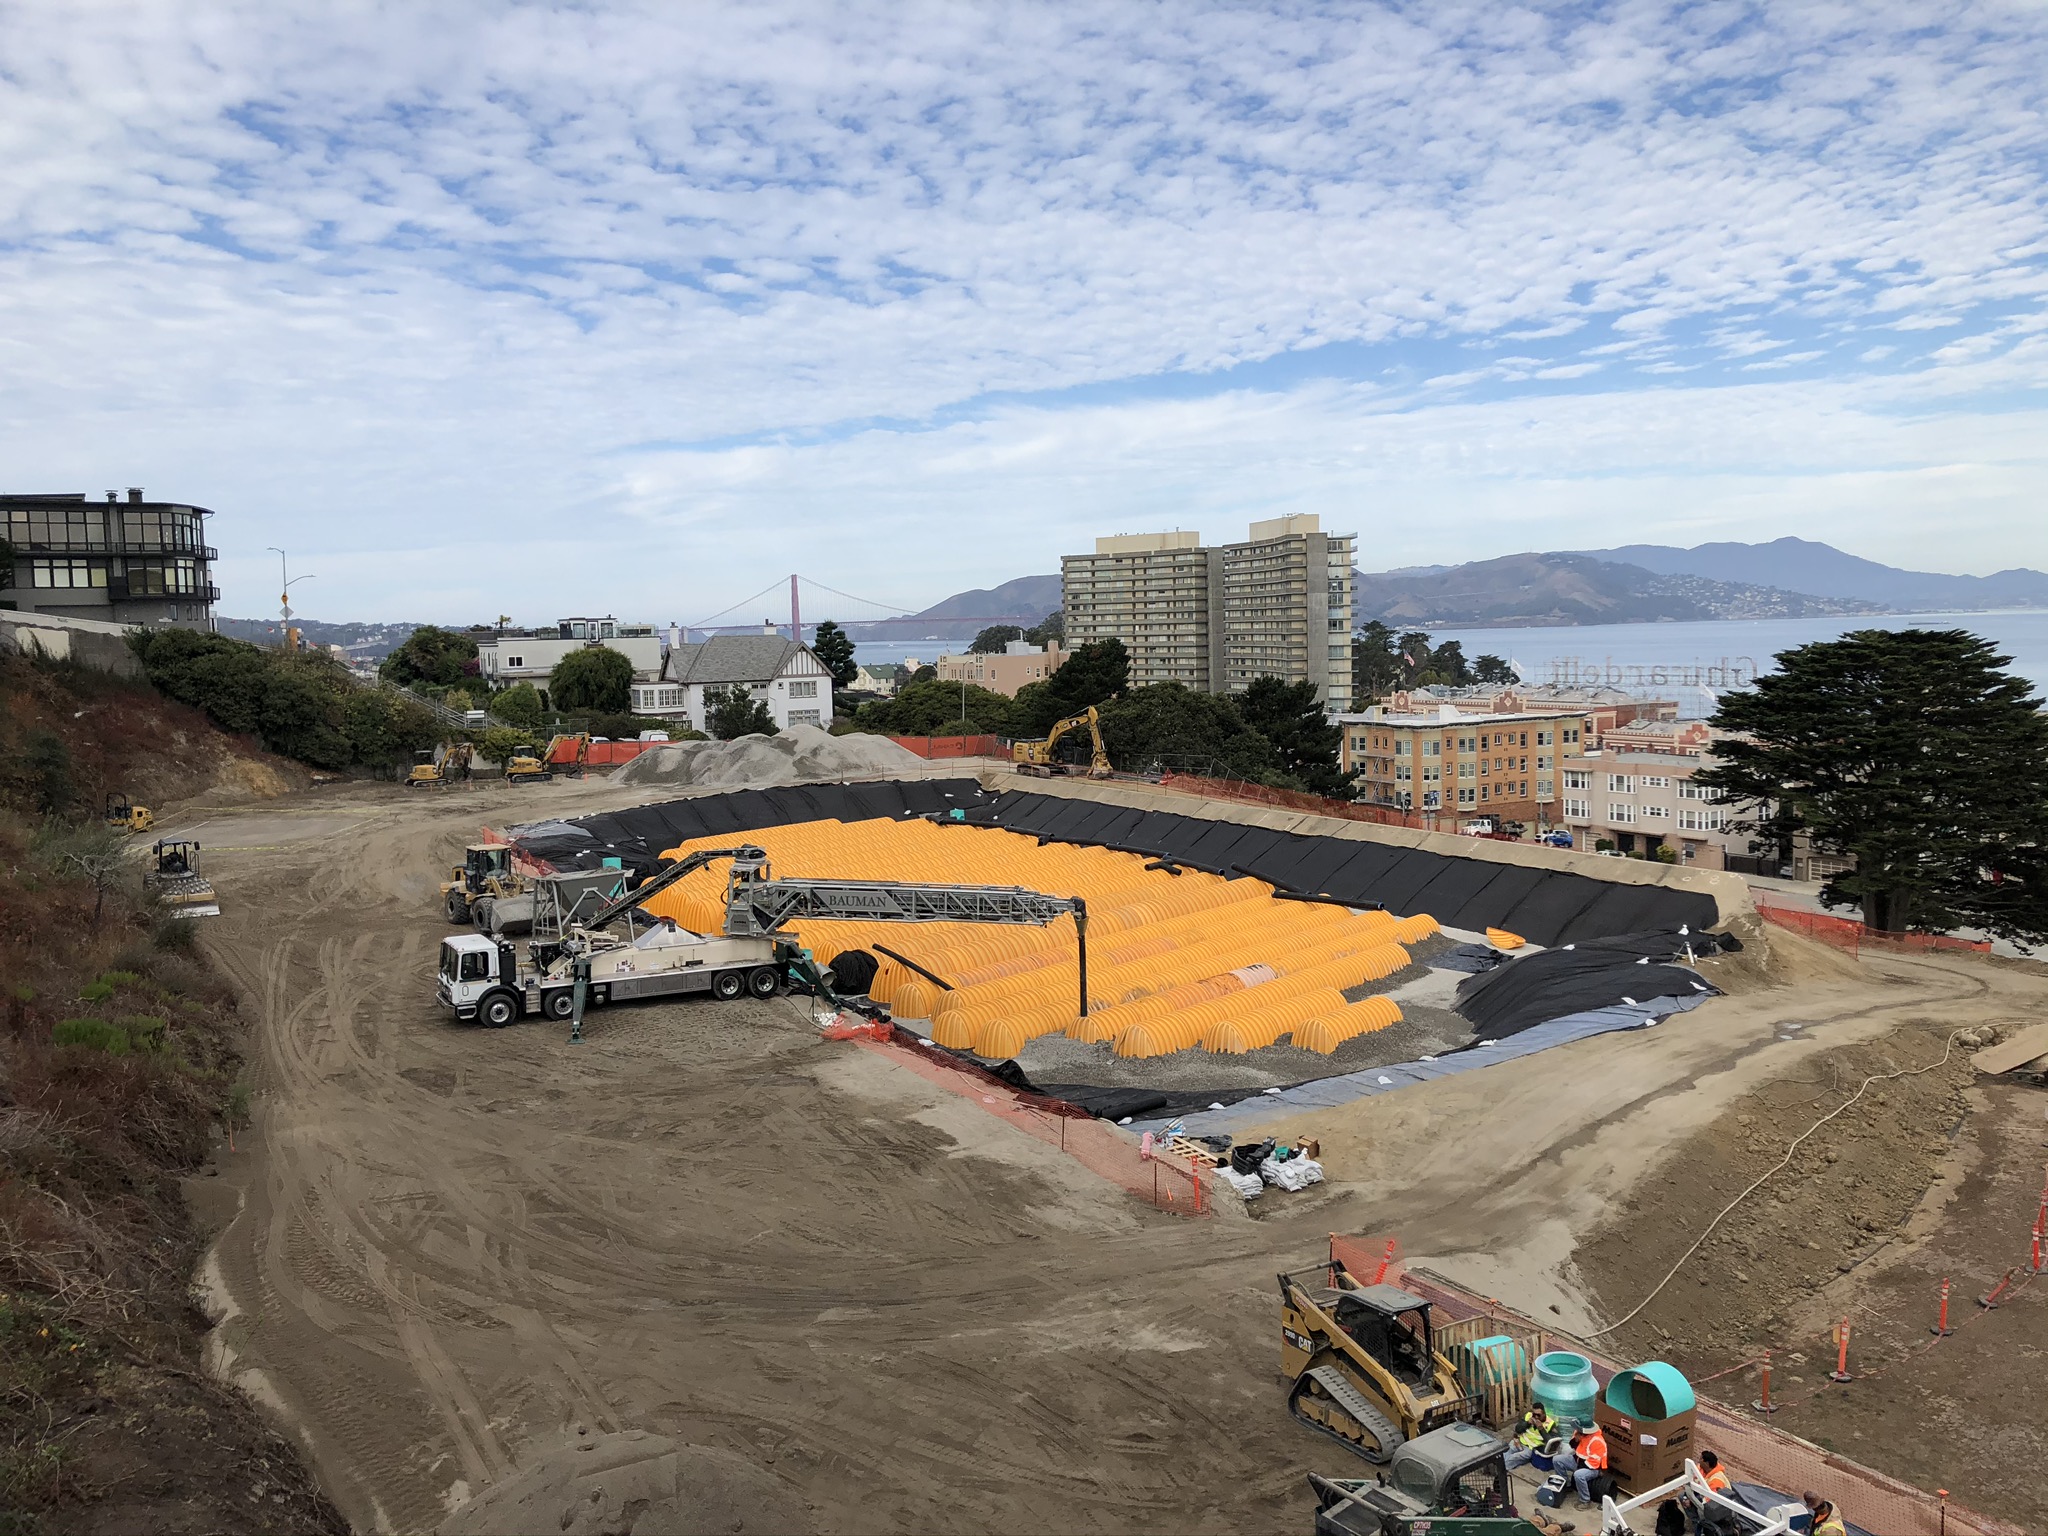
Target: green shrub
x=149 y=1032
x=175 y=933
x=96 y=991
x=121 y=978
x=92 y=1034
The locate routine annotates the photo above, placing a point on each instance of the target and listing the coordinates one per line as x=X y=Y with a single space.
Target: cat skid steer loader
x=1361 y=1364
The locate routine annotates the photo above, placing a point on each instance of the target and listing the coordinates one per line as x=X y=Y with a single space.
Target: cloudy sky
x=536 y=309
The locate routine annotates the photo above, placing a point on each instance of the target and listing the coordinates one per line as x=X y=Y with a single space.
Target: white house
x=775 y=670
x=529 y=655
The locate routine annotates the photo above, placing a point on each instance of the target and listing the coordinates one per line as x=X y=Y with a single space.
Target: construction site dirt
x=447 y=1256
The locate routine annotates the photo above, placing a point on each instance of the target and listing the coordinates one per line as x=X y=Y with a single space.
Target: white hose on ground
x=1881 y=1077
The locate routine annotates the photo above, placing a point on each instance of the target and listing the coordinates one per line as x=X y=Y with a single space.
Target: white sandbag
x=1294 y=1174
x=1246 y=1184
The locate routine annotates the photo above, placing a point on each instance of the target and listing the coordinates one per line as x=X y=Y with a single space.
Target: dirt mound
x=115 y=735
x=800 y=754
x=637 y=1483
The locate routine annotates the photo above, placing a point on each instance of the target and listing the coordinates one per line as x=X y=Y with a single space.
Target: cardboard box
x=1641 y=1453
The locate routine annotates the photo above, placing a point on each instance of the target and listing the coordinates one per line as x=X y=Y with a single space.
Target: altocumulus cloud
x=518 y=307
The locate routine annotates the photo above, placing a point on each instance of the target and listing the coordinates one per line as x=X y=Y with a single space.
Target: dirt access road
x=449 y=1256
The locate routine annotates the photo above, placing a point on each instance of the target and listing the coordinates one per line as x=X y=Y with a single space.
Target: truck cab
x=475 y=969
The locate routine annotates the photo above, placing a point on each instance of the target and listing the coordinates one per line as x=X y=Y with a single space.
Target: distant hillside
x=370 y=642
x=1806 y=566
x=1545 y=589
x=1023 y=601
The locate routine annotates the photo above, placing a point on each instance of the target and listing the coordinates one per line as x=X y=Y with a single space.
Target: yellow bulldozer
x=123 y=815
x=1040 y=758
x=1362 y=1365
x=442 y=767
x=485 y=870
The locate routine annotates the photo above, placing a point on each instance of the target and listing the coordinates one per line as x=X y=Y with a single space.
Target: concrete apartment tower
x=1287 y=607
x=1277 y=604
x=1156 y=592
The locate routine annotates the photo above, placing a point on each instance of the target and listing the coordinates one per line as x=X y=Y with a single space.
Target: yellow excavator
x=1038 y=758
x=526 y=768
x=1362 y=1365
x=447 y=763
x=123 y=815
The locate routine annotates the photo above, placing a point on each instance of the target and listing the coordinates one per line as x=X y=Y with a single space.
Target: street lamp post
x=285 y=584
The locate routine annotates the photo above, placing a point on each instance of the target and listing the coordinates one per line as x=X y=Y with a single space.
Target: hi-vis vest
x=1593 y=1451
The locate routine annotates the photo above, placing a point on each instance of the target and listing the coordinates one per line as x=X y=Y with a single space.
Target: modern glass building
x=121 y=561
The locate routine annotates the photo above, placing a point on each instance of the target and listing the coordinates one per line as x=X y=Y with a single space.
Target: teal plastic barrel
x=1564 y=1384
x=1650 y=1391
x=1490 y=1361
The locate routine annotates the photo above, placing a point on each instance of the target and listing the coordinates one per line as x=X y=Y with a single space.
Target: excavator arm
x=1043 y=753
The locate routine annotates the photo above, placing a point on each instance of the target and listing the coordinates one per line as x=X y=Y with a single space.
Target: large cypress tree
x=1916 y=753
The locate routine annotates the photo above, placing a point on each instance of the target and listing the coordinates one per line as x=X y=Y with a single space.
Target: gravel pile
x=801 y=754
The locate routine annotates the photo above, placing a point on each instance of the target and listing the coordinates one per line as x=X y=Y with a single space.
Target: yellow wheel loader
x=1361 y=1364
x=485 y=873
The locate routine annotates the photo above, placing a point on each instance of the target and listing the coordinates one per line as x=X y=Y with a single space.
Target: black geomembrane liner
x=1544 y=906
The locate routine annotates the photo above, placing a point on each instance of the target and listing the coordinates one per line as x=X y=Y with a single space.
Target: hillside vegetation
x=120 y=1075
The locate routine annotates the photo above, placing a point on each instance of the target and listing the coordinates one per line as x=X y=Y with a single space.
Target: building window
x=804 y=690
x=1432 y=800
x=1545 y=789
x=1687 y=790
x=803 y=717
x=1467 y=796
x=1571 y=735
x=1577 y=810
x=1543 y=738
x=1620 y=784
x=1466 y=770
x=1656 y=813
x=1621 y=813
x=515 y=661
x=1468 y=743
x=1432 y=775
x=1404 y=772
x=1542 y=761
x=67 y=573
x=1432 y=748
x=1656 y=781
x=1578 y=780
x=1699 y=821
x=1401 y=747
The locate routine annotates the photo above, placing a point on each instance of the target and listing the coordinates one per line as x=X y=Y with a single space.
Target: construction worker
x=1713 y=1472
x=1537 y=1426
x=1591 y=1450
x=1826 y=1522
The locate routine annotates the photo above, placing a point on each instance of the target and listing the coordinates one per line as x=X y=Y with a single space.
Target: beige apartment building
x=1642 y=801
x=1606 y=709
x=1004 y=671
x=1156 y=592
x=1449 y=767
x=1276 y=605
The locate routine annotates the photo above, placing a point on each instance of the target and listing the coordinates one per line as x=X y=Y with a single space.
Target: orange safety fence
x=1162 y=1180
x=1851 y=936
x=1752 y=1450
x=602 y=754
x=951 y=746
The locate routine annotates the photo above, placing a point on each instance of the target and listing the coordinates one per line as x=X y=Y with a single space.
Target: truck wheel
x=727 y=985
x=764 y=981
x=458 y=907
x=560 y=1003
x=497 y=1009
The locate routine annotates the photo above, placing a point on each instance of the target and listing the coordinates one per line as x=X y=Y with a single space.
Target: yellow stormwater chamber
x=1174 y=961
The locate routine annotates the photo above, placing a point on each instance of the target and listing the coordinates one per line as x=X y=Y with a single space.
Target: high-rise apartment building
x=1287 y=608
x=1278 y=605
x=1156 y=592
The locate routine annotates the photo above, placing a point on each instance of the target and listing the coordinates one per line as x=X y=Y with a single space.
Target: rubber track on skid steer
x=1352 y=1401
